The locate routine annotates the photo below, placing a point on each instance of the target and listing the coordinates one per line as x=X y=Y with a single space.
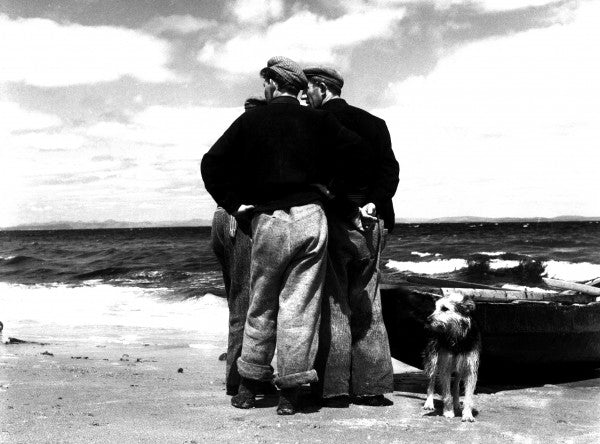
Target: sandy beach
x=171 y=392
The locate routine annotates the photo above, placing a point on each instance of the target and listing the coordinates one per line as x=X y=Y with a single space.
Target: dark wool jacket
x=272 y=156
x=382 y=168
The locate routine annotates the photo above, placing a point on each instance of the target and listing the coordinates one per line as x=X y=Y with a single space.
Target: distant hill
x=475 y=219
x=107 y=224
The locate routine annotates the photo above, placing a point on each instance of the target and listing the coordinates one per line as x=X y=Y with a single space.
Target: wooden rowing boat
x=521 y=330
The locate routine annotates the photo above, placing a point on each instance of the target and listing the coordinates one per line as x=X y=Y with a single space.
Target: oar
x=566 y=285
x=437 y=282
x=593 y=282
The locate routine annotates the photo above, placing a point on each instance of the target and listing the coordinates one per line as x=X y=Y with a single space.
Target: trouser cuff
x=296 y=379
x=255 y=371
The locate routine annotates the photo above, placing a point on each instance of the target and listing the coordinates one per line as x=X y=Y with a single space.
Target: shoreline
x=157 y=390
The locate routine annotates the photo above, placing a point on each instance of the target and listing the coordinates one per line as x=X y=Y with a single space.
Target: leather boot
x=288 y=401
x=246 y=396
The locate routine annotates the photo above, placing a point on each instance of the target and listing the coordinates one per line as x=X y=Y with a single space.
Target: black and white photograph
x=285 y=221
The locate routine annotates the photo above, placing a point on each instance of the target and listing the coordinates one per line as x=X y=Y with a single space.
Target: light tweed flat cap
x=286 y=70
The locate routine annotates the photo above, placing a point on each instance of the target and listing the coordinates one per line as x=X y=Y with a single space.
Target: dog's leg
x=429 y=405
x=470 y=381
x=446 y=394
x=456 y=392
x=431 y=372
x=445 y=368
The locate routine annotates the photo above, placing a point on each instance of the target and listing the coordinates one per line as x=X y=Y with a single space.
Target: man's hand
x=365 y=217
x=367 y=214
x=243 y=210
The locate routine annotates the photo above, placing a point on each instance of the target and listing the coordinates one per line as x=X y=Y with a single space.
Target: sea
x=110 y=285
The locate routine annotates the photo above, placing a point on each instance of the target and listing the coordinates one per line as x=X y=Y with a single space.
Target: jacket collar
x=334 y=104
x=284 y=99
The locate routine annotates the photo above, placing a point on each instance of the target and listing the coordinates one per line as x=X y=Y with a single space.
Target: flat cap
x=329 y=76
x=285 y=70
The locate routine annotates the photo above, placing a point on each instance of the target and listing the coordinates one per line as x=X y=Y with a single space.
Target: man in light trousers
x=265 y=170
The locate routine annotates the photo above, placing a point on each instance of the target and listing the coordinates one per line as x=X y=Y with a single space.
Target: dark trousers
x=354 y=353
x=233 y=248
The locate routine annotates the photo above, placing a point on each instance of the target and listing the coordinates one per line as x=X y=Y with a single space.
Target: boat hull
x=516 y=336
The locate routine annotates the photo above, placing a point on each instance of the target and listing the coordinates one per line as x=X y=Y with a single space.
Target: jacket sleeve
x=349 y=157
x=220 y=168
x=386 y=169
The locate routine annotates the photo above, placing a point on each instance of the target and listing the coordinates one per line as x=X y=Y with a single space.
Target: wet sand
x=173 y=393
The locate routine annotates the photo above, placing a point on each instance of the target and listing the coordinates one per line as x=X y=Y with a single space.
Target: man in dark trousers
x=354 y=356
x=265 y=170
x=232 y=248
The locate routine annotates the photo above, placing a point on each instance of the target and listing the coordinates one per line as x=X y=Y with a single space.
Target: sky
x=107 y=106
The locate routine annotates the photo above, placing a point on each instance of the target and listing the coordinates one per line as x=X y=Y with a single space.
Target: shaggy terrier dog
x=453 y=349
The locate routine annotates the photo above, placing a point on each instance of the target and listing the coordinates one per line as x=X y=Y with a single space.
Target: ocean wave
x=426 y=254
x=34 y=310
x=569 y=271
x=492 y=253
x=20 y=260
x=431 y=267
x=418 y=253
x=103 y=273
x=509 y=268
x=499 y=264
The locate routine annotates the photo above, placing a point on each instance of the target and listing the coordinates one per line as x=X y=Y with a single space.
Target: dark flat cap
x=286 y=70
x=329 y=76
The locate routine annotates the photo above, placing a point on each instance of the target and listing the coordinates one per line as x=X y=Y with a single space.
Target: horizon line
x=114 y=224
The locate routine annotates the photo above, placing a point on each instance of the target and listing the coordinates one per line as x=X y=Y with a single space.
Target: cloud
x=153 y=159
x=43 y=53
x=507 y=5
x=16 y=123
x=51 y=140
x=102 y=158
x=191 y=129
x=15 y=118
x=257 y=11
x=486 y=5
x=70 y=179
x=507 y=125
x=305 y=37
x=179 y=24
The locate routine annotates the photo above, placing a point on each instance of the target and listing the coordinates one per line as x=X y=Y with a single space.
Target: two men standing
x=271 y=170
x=265 y=169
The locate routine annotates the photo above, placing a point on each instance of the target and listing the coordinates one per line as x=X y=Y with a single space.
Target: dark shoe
x=336 y=402
x=288 y=401
x=267 y=388
x=373 y=401
x=246 y=396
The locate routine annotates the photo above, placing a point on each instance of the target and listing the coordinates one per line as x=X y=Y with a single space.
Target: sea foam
x=499 y=264
x=582 y=271
x=430 y=267
x=36 y=312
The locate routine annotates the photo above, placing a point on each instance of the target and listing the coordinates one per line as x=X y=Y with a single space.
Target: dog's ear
x=467 y=306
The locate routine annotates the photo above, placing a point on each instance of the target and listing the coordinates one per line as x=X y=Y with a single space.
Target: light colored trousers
x=289 y=251
x=354 y=352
